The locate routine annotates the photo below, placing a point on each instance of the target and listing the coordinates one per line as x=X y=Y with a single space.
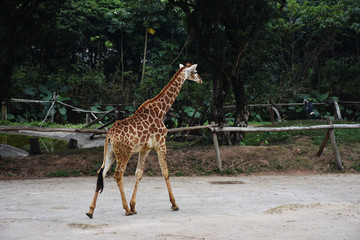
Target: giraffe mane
x=147 y=102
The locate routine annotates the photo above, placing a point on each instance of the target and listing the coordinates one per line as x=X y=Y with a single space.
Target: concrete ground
x=245 y=207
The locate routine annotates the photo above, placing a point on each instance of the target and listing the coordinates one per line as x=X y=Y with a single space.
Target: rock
x=7 y=151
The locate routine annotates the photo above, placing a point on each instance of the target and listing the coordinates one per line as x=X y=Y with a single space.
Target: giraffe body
x=140 y=133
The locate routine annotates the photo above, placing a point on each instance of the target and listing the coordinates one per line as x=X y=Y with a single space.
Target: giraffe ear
x=180 y=65
x=193 y=67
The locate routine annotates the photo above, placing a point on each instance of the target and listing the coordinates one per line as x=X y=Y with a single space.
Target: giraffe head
x=191 y=73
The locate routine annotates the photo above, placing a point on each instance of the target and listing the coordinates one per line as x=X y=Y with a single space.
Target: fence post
x=3 y=111
x=335 y=148
x=336 y=151
x=216 y=145
x=47 y=114
x=272 y=115
x=272 y=104
x=87 y=118
x=53 y=109
x=34 y=146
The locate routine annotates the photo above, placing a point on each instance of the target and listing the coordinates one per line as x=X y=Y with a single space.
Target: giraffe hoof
x=134 y=212
x=128 y=213
x=90 y=215
x=175 y=208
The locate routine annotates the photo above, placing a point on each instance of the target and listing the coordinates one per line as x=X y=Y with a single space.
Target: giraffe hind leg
x=122 y=158
x=99 y=187
x=109 y=159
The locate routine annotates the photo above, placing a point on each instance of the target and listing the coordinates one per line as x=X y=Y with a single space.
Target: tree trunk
x=241 y=109
x=7 y=59
x=144 y=60
x=6 y=64
x=121 y=62
x=122 y=59
x=220 y=91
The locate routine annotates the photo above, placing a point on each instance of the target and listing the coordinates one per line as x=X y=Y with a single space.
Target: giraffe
x=140 y=133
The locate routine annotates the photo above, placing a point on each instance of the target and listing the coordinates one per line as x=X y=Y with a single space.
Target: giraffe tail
x=100 y=181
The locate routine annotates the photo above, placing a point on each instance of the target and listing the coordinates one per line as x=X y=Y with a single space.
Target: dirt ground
x=300 y=156
x=184 y=159
x=301 y=206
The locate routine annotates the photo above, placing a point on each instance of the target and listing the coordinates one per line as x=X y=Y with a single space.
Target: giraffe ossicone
x=140 y=133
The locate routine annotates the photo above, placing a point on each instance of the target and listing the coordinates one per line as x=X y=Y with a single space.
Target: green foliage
x=90 y=53
x=59 y=173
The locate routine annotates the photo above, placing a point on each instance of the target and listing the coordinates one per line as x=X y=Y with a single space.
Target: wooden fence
x=329 y=127
x=273 y=107
x=214 y=129
x=51 y=110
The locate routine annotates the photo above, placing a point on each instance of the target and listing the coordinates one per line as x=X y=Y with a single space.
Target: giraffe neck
x=160 y=105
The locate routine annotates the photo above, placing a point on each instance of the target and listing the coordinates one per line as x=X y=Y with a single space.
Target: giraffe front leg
x=138 y=175
x=118 y=176
x=161 y=152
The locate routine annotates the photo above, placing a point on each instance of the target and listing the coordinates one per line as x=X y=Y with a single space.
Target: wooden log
x=89 y=111
x=272 y=115
x=217 y=151
x=34 y=146
x=321 y=149
x=99 y=119
x=45 y=129
x=334 y=145
x=95 y=117
x=284 y=129
x=87 y=119
x=216 y=145
x=335 y=148
x=18 y=100
x=51 y=107
x=277 y=113
x=272 y=111
x=337 y=111
x=277 y=104
x=3 y=111
x=188 y=128
x=349 y=102
x=216 y=129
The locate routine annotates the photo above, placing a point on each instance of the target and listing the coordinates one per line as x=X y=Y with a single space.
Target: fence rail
x=214 y=129
x=282 y=129
x=46 y=129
